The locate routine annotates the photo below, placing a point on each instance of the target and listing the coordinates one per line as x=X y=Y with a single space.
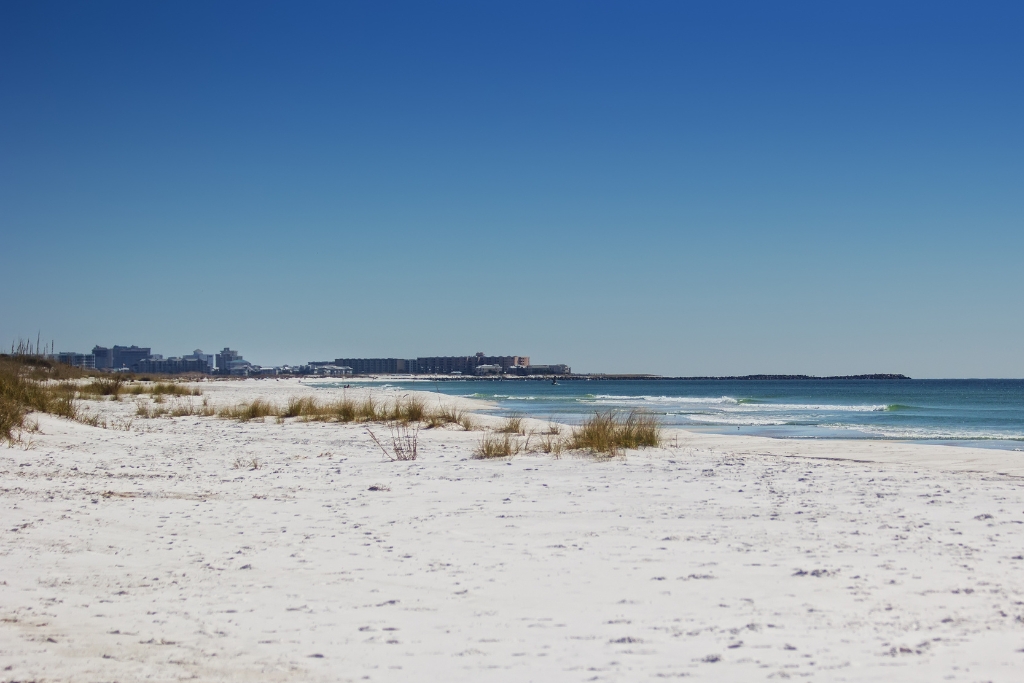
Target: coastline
x=149 y=553
x=985 y=414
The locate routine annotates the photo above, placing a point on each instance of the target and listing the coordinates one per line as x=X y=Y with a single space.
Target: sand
x=155 y=552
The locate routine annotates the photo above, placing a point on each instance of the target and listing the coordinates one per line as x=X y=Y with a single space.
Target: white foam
x=891 y=432
x=736 y=421
x=729 y=404
x=609 y=398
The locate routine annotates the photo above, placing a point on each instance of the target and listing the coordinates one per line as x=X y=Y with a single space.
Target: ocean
x=986 y=413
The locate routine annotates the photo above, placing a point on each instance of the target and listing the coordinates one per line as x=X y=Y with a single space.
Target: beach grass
x=500 y=445
x=449 y=415
x=163 y=389
x=403 y=410
x=404 y=442
x=513 y=424
x=552 y=444
x=117 y=385
x=255 y=409
x=412 y=409
x=148 y=411
x=180 y=407
x=29 y=384
x=187 y=407
x=610 y=433
x=299 y=406
x=103 y=386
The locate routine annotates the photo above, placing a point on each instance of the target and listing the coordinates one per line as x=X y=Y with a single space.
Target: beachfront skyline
x=682 y=191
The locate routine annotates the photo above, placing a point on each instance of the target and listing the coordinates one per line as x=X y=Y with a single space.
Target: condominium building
x=78 y=360
x=477 y=364
x=124 y=357
x=225 y=358
x=378 y=366
x=104 y=357
x=467 y=365
x=172 y=365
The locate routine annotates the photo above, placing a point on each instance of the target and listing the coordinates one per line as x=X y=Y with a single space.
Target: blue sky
x=680 y=188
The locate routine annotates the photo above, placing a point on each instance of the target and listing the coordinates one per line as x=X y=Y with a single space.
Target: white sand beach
x=156 y=552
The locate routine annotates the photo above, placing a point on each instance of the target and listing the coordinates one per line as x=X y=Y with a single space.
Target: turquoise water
x=987 y=413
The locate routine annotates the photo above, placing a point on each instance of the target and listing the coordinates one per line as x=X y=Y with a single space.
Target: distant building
x=377 y=366
x=446 y=365
x=239 y=368
x=434 y=365
x=124 y=357
x=199 y=355
x=172 y=365
x=224 y=360
x=487 y=370
x=104 y=357
x=331 y=370
x=559 y=369
x=78 y=360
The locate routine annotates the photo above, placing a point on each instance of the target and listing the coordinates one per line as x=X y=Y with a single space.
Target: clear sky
x=679 y=188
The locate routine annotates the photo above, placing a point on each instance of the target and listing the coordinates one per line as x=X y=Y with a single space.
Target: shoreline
x=809 y=432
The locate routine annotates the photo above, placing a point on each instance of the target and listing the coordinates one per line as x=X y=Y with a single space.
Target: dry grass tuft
x=412 y=409
x=257 y=409
x=300 y=406
x=552 y=443
x=497 y=446
x=513 y=424
x=404 y=441
x=103 y=386
x=252 y=463
x=117 y=385
x=29 y=384
x=449 y=415
x=147 y=411
x=609 y=433
x=188 y=407
x=404 y=410
x=162 y=389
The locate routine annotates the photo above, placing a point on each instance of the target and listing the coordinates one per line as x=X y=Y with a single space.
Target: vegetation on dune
x=610 y=432
x=403 y=410
x=118 y=385
x=252 y=410
x=104 y=386
x=513 y=424
x=403 y=442
x=164 y=389
x=502 y=445
x=34 y=384
x=552 y=444
x=606 y=434
x=29 y=384
x=449 y=415
x=179 y=408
